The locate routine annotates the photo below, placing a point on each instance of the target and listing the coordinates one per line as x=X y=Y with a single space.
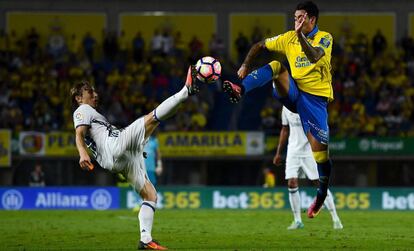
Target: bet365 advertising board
x=272 y=199
x=108 y=198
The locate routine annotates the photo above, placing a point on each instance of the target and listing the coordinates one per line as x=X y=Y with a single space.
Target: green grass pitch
x=205 y=230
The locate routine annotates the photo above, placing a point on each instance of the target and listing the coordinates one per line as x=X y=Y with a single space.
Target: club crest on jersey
x=79 y=116
x=325 y=42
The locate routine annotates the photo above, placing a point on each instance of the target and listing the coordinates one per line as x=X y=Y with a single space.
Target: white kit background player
x=121 y=151
x=299 y=164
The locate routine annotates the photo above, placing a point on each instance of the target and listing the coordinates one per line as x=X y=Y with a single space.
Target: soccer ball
x=208 y=69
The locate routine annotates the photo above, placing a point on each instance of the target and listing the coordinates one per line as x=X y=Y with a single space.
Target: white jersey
x=298 y=144
x=118 y=150
x=100 y=130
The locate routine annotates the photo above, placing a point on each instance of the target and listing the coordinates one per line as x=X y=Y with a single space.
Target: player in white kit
x=121 y=150
x=299 y=164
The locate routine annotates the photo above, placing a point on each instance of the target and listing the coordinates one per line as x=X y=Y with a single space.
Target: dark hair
x=78 y=89
x=310 y=8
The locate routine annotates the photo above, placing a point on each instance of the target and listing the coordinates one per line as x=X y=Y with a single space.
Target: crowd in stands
x=372 y=81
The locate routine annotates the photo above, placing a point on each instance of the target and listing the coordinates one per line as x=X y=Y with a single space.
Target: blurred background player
x=153 y=161
x=307 y=90
x=121 y=151
x=299 y=164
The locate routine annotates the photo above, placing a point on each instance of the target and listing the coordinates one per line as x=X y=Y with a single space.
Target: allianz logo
x=100 y=199
x=12 y=200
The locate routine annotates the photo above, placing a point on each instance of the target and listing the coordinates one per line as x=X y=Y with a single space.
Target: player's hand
x=85 y=163
x=242 y=72
x=277 y=160
x=299 y=23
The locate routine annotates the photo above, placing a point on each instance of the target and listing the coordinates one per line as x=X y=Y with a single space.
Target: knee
x=292 y=183
x=276 y=67
x=148 y=192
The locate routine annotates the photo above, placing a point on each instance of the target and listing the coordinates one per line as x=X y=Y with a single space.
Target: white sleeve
x=285 y=121
x=83 y=116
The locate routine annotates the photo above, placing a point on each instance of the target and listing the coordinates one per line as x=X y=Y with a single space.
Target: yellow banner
x=190 y=25
x=190 y=144
x=411 y=24
x=60 y=144
x=267 y=24
x=5 y=148
x=67 y=23
x=367 y=23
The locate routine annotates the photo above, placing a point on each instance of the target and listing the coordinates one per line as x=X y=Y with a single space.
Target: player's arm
x=84 y=161
x=283 y=138
x=254 y=50
x=312 y=53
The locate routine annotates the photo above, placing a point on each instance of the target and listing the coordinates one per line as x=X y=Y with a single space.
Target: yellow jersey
x=313 y=78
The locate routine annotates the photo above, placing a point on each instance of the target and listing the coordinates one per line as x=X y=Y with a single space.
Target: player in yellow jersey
x=306 y=91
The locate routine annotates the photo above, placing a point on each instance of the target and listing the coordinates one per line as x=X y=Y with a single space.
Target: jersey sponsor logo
x=101 y=199
x=325 y=42
x=12 y=200
x=112 y=130
x=302 y=62
x=79 y=116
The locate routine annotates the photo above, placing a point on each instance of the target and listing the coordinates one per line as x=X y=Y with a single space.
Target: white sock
x=146 y=218
x=330 y=205
x=294 y=200
x=169 y=106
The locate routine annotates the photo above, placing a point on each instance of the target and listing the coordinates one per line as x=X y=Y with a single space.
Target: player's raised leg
x=169 y=106
x=257 y=78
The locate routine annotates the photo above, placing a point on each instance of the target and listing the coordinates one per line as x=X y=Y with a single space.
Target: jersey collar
x=313 y=32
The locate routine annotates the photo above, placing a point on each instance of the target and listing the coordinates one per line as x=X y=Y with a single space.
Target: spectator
x=138 y=46
x=379 y=43
x=37 y=177
x=157 y=43
x=242 y=47
x=89 y=46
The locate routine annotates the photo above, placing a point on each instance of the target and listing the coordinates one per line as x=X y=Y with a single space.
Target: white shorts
x=301 y=167
x=128 y=154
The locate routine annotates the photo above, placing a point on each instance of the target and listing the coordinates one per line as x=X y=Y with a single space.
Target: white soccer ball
x=208 y=69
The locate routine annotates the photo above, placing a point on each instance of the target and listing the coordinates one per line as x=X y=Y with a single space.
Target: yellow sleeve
x=277 y=43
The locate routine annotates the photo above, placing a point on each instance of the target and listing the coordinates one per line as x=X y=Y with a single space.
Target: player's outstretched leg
x=256 y=78
x=169 y=106
x=330 y=205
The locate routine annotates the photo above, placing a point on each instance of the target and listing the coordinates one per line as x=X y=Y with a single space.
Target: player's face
x=96 y=99
x=87 y=97
x=309 y=22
